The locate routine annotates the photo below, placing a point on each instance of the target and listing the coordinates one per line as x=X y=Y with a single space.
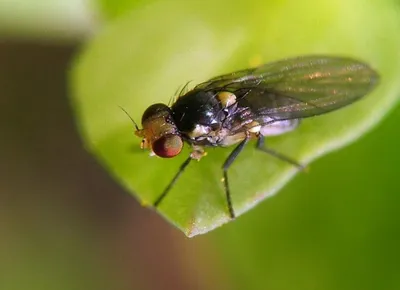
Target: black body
x=197 y=107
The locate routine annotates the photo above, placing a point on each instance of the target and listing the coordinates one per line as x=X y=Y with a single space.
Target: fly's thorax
x=159 y=132
x=218 y=114
x=198 y=131
x=197 y=111
x=226 y=99
x=232 y=139
x=253 y=127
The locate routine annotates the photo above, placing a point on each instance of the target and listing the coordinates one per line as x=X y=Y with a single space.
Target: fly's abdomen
x=279 y=127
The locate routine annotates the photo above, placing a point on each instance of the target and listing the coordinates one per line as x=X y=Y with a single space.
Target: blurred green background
x=66 y=224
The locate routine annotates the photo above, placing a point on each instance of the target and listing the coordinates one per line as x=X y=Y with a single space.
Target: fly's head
x=159 y=133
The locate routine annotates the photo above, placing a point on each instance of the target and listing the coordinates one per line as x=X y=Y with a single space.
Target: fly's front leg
x=172 y=182
x=228 y=162
x=260 y=146
x=197 y=154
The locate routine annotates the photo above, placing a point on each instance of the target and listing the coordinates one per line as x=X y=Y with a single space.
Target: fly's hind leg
x=260 y=146
x=228 y=162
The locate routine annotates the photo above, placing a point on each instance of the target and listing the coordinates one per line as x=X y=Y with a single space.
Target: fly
x=251 y=104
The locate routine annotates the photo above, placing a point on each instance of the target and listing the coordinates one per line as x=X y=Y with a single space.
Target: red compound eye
x=168 y=146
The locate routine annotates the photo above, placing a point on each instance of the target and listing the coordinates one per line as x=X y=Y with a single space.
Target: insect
x=252 y=104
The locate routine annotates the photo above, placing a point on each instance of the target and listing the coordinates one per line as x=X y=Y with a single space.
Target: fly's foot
x=197 y=153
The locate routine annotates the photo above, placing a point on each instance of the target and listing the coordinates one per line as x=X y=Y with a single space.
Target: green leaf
x=112 y=9
x=143 y=57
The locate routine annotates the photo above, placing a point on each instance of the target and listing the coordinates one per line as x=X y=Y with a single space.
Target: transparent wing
x=297 y=87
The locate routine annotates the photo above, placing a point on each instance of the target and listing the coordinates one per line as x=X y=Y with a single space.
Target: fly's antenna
x=129 y=116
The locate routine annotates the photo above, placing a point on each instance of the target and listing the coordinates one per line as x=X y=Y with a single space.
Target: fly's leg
x=228 y=162
x=173 y=181
x=260 y=146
